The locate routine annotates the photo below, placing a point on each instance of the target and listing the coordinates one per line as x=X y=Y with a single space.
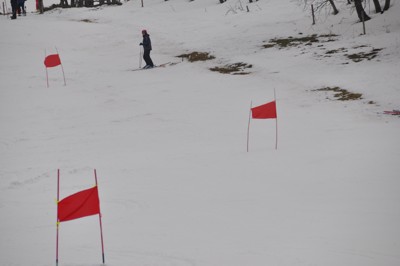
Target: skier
x=147 y=48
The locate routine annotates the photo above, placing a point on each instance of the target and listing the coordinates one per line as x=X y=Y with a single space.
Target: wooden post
x=363 y=22
x=313 y=16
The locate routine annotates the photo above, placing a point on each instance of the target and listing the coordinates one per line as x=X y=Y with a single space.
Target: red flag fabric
x=264 y=111
x=52 y=60
x=78 y=205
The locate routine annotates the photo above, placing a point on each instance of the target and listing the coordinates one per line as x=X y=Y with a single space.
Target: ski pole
x=140 y=57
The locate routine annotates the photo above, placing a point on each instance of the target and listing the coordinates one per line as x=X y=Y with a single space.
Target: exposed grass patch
x=342 y=94
x=355 y=54
x=358 y=57
x=234 y=69
x=87 y=20
x=330 y=36
x=297 y=41
x=269 y=45
x=291 y=41
x=197 y=56
x=355 y=57
x=53 y=6
x=335 y=51
x=360 y=46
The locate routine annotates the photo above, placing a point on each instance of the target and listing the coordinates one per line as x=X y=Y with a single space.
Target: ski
x=157 y=66
x=163 y=65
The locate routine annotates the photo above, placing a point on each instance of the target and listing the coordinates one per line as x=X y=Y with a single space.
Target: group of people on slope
x=17 y=7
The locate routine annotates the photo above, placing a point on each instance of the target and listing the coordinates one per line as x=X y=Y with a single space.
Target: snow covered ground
x=176 y=184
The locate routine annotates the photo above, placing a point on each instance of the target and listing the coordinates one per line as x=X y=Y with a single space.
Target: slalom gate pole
x=62 y=68
x=140 y=57
x=276 y=123
x=47 y=74
x=101 y=226
x=248 y=127
x=58 y=223
x=276 y=133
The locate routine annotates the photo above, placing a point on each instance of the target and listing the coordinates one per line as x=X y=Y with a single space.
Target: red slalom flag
x=264 y=111
x=78 y=205
x=52 y=60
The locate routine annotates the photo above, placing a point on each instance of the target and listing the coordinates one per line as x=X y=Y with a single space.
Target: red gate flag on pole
x=81 y=204
x=52 y=60
x=264 y=111
x=78 y=205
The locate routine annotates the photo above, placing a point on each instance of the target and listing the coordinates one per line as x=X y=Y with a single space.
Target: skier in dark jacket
x=147 y=48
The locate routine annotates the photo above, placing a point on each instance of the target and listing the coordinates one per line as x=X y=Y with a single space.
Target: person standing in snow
x=21 y=7
x=147 y=48
x=14 y=7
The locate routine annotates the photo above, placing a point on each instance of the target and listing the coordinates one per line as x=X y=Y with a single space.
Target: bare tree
x=64 y=3
x=41 y=6
x=377 y=5
x=335 y=10
x=378 y=8
x=320 y=4
x=360 y=11
x=387 y=5
x=362 y=15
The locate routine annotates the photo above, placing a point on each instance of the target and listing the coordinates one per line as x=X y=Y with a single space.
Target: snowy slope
x=176 y=184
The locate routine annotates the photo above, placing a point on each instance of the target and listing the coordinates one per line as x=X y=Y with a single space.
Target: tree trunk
x=378 y=8
x=64 y=3
x=387 y=5
x=335 y=10
x=41 y=7
x=360 y=11
x=89 y=3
